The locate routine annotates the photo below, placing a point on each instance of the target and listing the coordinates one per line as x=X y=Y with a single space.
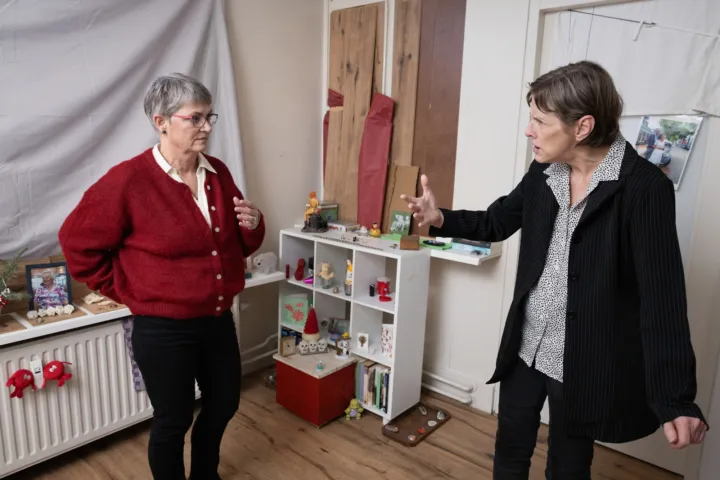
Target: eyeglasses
x=198 y=120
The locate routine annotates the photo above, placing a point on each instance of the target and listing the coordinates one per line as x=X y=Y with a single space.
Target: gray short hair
x=168 y=93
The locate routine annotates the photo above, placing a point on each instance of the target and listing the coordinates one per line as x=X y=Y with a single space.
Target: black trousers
x=171 y=355
x=522 y=396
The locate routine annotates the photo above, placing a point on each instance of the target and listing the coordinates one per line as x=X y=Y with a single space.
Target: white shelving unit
x=408 y=272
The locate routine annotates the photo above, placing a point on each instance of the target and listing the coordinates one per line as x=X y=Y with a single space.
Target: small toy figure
x=313 y=208
x=354 y=410
x=375 y=231
x=342 y=347
x=326 y=275
x=322 y=345
x=348 y=278
x=21 y=379
x=363 y=231
x=55 y=371
x=265 y=263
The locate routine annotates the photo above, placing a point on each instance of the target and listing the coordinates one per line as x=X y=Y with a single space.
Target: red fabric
x=311 y=325
x=334 y=100
x=138 y=237
x=373 y=161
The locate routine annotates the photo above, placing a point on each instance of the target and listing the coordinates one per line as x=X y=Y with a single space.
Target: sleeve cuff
x=668 y=413
x=449 y=226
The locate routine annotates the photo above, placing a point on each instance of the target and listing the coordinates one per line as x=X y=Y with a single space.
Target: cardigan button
x=208 y=187
x=219 y=276
x=220 y=298
x=217 y=229
x=217 y=308
x=212 y=208
x=214 y=253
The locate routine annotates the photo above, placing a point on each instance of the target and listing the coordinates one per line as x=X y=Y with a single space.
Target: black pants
x=171 y=355
x=522 y=396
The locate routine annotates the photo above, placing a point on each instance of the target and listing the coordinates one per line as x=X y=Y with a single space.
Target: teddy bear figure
x=354 y=410
x=265 y=263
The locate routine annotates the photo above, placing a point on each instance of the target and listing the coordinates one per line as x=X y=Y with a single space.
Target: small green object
x=248 y=274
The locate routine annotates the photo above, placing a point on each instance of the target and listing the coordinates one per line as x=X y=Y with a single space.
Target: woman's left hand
x=247 y=214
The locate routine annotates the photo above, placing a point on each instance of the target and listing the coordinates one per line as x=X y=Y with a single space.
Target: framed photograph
x=337 y=327
x=48 y=285
x=287 y=346
x=667 y=141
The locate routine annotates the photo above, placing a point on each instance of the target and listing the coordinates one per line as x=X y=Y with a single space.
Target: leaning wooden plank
x=405 y=77
x=402 y=179
x=334 y=175
x=334 y=100
x=338 y=32
x=357 y=90
x=378 y=83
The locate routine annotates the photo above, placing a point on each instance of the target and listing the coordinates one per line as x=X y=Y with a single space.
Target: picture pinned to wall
x=667 y=141
x=48 y=285
x=400 y=222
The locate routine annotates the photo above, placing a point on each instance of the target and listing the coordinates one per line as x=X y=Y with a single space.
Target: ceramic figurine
x=303 y=347
x=314 y=203
x=375 y=231
x=322 y=345
x=313 y=346
x=342 y=346
x=363 y=230
x=265 y=263
x=326 y=275
x=348 y=278
x=354 y=410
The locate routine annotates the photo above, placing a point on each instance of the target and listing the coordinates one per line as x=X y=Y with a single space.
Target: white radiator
x=98 y=400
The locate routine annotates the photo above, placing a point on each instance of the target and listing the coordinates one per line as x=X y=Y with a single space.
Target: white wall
x=277 y=55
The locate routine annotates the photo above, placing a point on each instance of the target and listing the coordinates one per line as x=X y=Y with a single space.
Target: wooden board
x=378 y=70
x=438 y=98
x=414 y=426
x=9 y=324
x=406 y=57
x=96 y=309
x=334 y=174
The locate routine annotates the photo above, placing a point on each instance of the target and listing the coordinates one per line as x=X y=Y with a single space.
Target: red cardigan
x=138 y=237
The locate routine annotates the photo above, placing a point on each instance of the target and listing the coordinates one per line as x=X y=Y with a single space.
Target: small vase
x=348 y=289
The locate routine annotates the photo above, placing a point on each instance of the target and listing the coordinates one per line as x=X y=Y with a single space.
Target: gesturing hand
x=424 y=208
x=248 y=216
x=684 y=431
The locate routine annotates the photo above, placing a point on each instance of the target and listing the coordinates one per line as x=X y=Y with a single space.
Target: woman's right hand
x=424 y=208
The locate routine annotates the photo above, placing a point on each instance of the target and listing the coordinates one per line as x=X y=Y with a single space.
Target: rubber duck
x=375 y=231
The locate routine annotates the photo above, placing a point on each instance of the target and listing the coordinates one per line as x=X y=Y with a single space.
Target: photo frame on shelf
x=337 y=327
x=48 y=285
x=362 y=342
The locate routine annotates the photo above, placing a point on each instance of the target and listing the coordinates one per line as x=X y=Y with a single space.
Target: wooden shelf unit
x=408 y=272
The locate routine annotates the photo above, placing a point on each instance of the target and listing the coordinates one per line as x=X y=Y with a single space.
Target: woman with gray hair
x=167 y=234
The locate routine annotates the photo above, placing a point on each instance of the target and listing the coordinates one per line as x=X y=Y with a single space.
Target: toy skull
x=322 y=345
x=303 y=347
x=313 y=346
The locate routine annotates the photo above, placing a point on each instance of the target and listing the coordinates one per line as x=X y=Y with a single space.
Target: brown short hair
x=579 y=89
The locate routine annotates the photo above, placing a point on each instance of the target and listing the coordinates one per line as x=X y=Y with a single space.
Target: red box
x=316 y=396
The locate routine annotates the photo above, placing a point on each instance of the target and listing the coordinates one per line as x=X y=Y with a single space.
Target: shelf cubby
x=368 y=269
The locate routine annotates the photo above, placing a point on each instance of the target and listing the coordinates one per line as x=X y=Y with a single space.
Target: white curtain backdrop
x=672 y=68
x=72 y=78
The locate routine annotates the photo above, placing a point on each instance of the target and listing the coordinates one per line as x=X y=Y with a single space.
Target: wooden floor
x=265 y=442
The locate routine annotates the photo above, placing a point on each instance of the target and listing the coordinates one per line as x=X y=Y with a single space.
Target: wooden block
x=405 y=78
x=9 y=324
x=317 y=397
x=410 y=242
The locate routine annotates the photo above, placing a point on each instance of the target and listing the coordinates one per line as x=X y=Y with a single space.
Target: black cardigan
x=629 y=365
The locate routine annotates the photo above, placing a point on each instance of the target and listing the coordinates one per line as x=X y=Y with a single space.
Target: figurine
x=313 y=208
x=55 y=371
x=354 y=410
x=322 y=345
x=363 y=231
x=342 y=347
x=21 y=379
x=303 y=347
x=326 y=275
x=348 y=277
x=375 y=231
x=265 y=263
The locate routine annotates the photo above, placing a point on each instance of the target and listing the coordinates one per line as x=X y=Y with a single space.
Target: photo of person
x=666 y=141
x=48 y=286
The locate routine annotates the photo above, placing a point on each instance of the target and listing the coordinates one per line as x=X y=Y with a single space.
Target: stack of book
x=373 y=381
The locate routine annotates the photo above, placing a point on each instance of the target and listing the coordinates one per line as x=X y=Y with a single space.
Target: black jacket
x=629 y=365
